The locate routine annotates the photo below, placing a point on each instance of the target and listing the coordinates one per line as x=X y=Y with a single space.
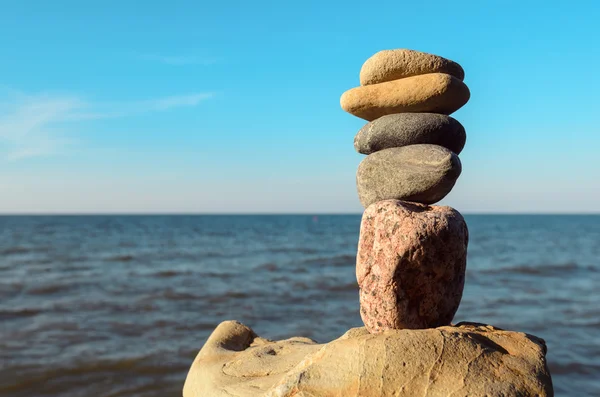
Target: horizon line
x=5 y=214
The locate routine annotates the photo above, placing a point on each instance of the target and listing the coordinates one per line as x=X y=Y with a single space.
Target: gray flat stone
x=403 y=129
x=418 y=173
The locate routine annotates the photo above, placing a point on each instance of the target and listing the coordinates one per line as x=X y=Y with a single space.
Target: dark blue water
x=119 y=306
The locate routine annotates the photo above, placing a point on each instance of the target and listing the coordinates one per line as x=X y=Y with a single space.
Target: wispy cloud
x=179 y=60
x=36 y=146
x=175 y=101
x=42 y=125
x=30 y=126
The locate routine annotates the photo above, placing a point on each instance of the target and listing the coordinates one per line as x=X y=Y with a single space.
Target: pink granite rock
x=410 y=265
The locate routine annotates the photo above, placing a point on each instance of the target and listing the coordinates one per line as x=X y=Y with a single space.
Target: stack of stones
x=410 y=267
x=411 y=257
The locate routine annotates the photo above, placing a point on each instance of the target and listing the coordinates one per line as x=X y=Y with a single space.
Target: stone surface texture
x=410 y=265
x=390 y=65
x=420 y=173
x=459 y=361
x=430 y=93
x=403 y=129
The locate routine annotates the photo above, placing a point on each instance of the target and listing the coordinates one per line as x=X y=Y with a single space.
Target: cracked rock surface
x=466 y=359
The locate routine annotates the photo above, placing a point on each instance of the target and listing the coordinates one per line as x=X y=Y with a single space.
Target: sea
x=118 y=306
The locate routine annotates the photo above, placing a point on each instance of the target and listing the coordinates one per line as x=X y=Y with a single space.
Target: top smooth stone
x=391 y=65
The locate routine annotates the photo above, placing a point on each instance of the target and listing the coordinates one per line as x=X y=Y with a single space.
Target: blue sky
x=193 y=106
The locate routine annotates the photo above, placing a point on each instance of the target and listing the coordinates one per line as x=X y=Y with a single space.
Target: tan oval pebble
x=427 y=93
x=391 y=65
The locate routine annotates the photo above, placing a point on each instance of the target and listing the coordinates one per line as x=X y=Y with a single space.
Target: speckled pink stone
x=410 y=265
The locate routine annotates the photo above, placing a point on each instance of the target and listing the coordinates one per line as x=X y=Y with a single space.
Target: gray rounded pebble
x=419 y=173
x=403 y=129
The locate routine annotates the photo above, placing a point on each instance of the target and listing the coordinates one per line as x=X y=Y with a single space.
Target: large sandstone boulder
x=410 y=265
x=459 y=361
x=430 y=93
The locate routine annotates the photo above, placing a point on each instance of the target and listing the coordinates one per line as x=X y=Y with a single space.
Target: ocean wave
x=573 y=368
x=8 y=314
x=353 y=286
x=222 y=276
x=22 y=250
x=540 y=270
x=170 y=294
x=299 y=250
x=339 y=260
x=28 y=378
x=169 y=273
x=270 y=267
x=227 y=297
x=121 y=258
x=48 y=289
x=15 y=251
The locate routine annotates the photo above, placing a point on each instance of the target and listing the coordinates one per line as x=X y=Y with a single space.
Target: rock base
x=467 y=359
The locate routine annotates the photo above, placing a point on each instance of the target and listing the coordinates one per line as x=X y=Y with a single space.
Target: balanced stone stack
x=410 y=268
x=412 y=256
